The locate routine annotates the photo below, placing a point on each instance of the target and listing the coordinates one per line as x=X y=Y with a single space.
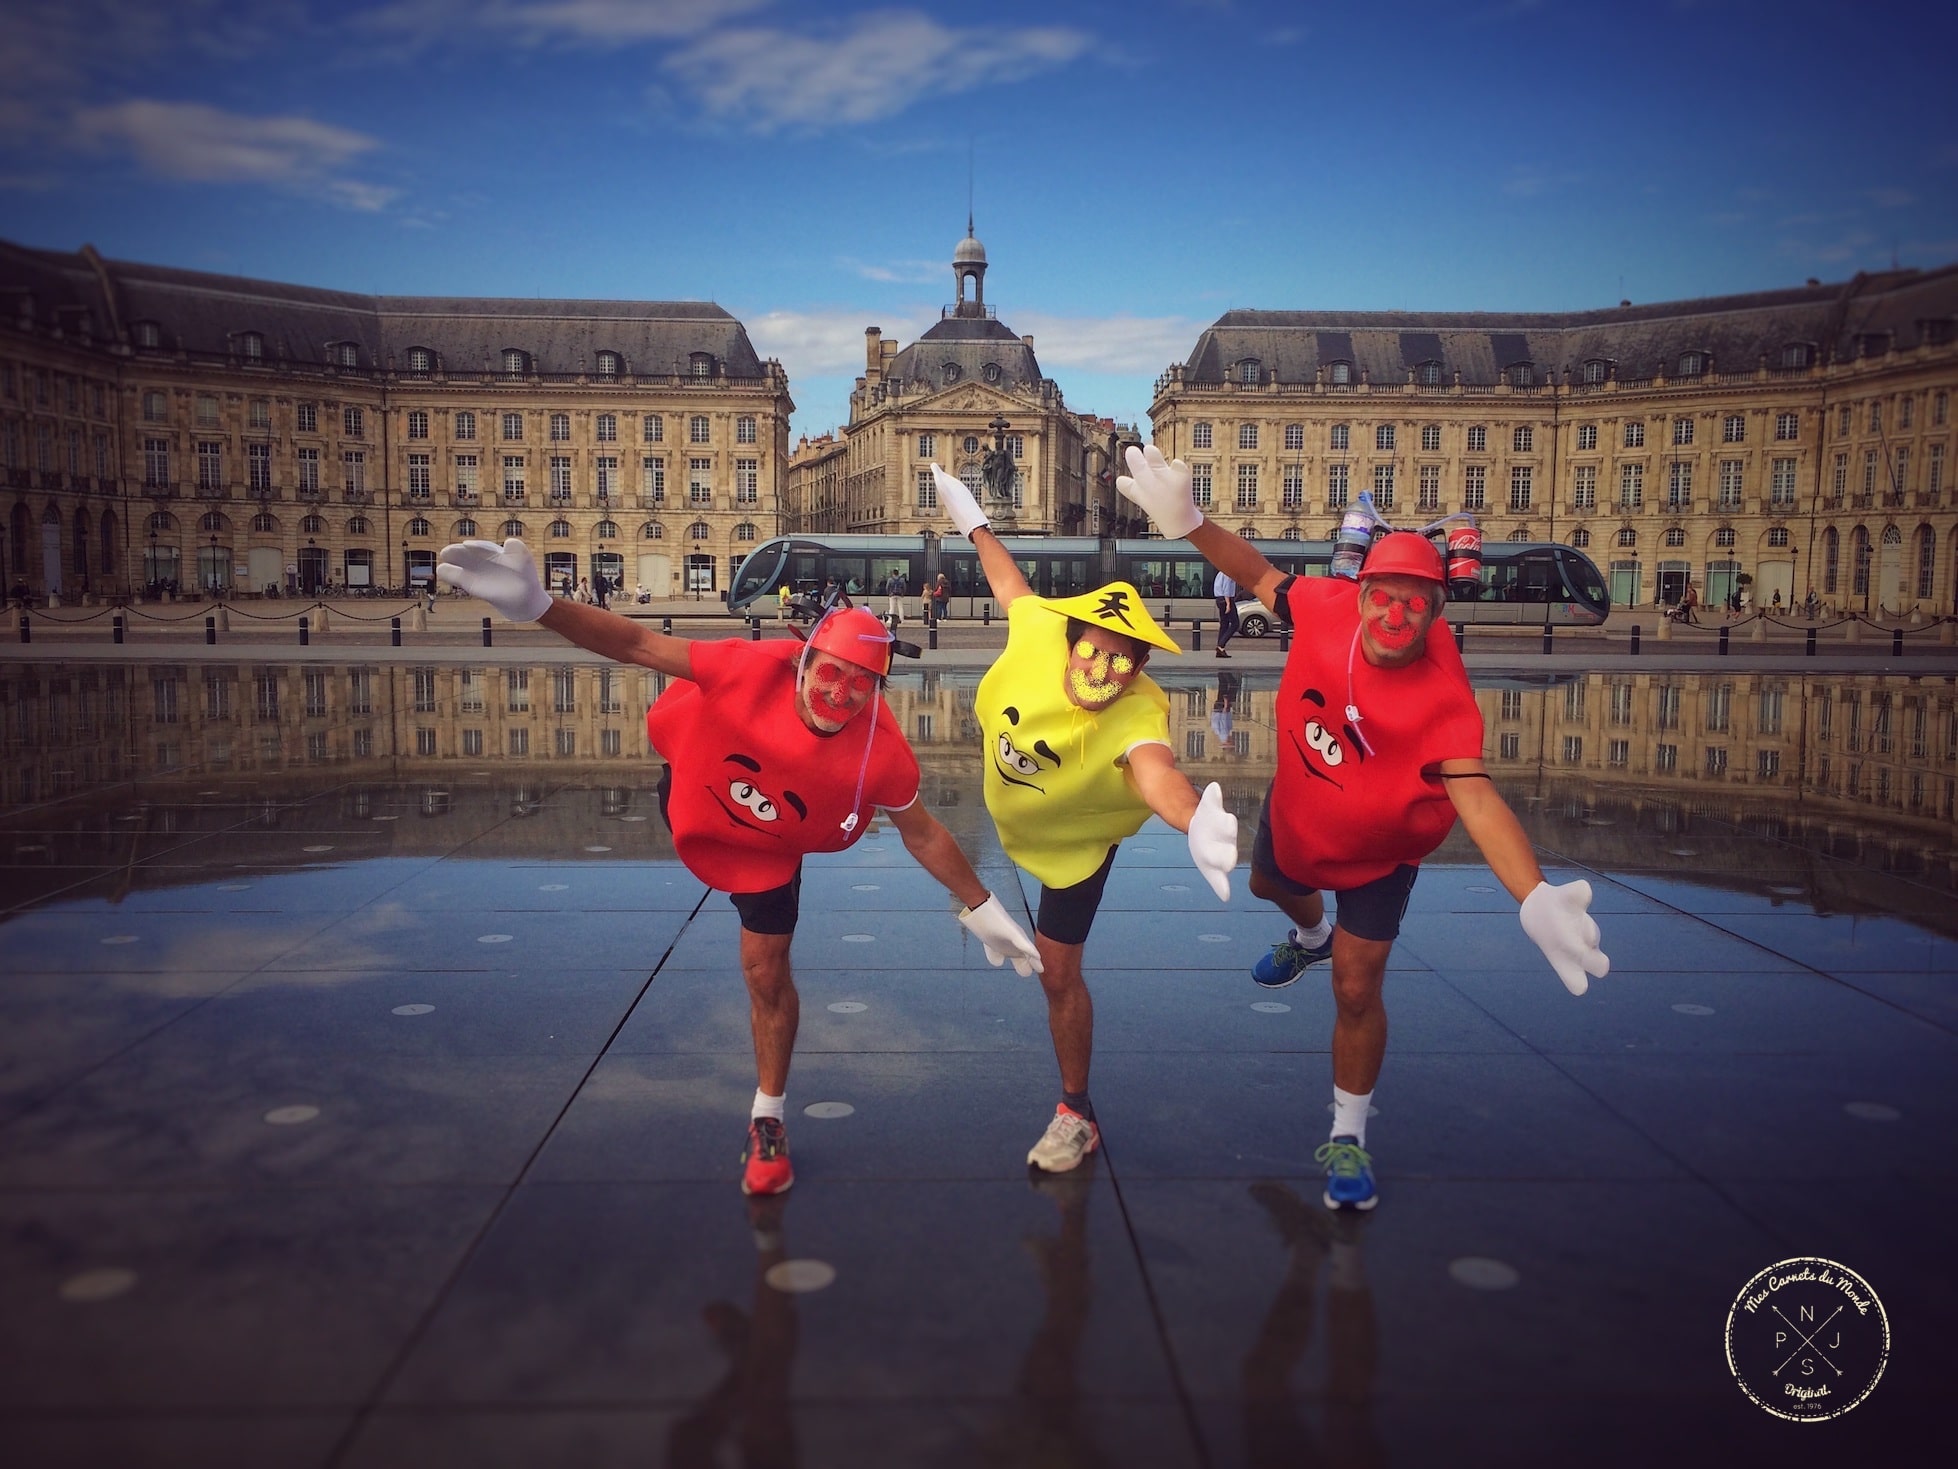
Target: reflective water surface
x=373 y=1078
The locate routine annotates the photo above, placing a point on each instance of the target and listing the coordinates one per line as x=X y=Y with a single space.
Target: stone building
x=211 y=433
x=968 y=387
x=1768 y=443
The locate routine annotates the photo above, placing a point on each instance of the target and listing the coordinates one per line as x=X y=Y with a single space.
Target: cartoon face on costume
x=1396 y=612
x=1324 y=749
x=832 y=692
x=1100 y=665
x=1019 y=767
x=746 y=803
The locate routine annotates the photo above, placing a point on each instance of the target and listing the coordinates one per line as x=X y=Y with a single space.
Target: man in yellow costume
x=1077 y=756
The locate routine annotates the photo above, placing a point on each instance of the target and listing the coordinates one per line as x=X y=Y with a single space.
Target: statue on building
x=997 y=468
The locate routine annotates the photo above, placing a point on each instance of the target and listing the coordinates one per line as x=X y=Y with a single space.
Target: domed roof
x=969 y=252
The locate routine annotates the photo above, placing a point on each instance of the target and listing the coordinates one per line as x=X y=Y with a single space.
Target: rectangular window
x=1383 y=437
x=1247 y=487
x=747 y=481
x=1429 y=495
x=1679 y=486
x=1619 y=710
x=654 y=429
x=424 y=740
x=207 y=406
x=1634 y=436
x=468 y=480
x=1340 y=437
x=927 y=491
x=354 y=420
x=424 y=691
x=1716 y=759
x=652 y=479
x=315 y=693
x=697 y=429
x=560 y=428
x=309 y=473
x=567 y=743
x=1519 y=487
x=513 y=479
x=700 y=482
x=1781 y=482
x=1199 y=436
x=360 y=691
x=1869 y=471
x=1292 y=487
x=353 y=473
x=1430 y=438
x=1718 y=705
x=1587 y=436
x=1620 y=754
x=258 y=467
x=520 y=742
x=605 y=477
x=1787 y=426
x=1193 y=743
x=608 y=742
x=560 y=479
x=418 y=476
x=465 y=425
x=1682 y=431
x=513 y=426
x=1767 y=719
x=564 y=691
x=1016 y=445
x=1839 y=481
x=1523 y=440
x=516 y=690
x=259 y=413
x=1573 y=749
x=1295 y=437
x=210 y=465
x=472 y=742
x=1934 y=469
x=1383 y=486
x=1767 y=764
x=1733 y=429
x=1200 y=483
x=1900 y=479
x=1730 y=484
x=927 y=446
x=1336 y=486
x=1665 y=758
x=1584 y=494
x=1475 y=487
x=1666 y=713
x=1509 y=746
x=418 y=424
x=1478 y=439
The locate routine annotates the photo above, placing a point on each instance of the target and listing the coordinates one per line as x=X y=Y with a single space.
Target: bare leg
x=1304 y=909
x=1360 y=1023
x=774 y=1007
x=1070 y=1010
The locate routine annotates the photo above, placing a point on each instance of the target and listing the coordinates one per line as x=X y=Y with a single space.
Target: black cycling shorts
x=1066 y=914
x=1371 y=911
x=774 y=911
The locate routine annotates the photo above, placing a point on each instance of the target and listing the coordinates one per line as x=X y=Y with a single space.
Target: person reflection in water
x=1276 y=1434
x=751 y=1402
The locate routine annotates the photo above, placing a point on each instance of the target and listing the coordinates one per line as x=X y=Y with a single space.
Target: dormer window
x=251 y=346
x=1522 y=374
x=1250 y=372
x=1596 y=371
x=148 y=335
x=991 y=372
x=1692 y=364
x=345 y=354
x=608 y=366
x=1797 y=355
x=516 y=362
x=951 y=372
x=1428 y=374
x=1935 y=331
x=1872 y=344
x=421 y=361
x=1339 y=374
x=701 y=365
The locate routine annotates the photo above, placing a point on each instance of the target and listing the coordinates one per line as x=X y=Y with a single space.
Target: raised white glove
x=1558 y=921
x=503 y=576
x=1213 y=841
x=1002 y=937
x=1162 y=488
x=958 y=503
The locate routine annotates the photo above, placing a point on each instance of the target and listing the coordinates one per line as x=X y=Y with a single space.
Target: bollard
x=1809 y=650
x=117 y=625
x=1723 y=640
x=1461 y=636
x=25 y=635
x=210 y=631
x=1165 y=614
x=1547 y=631
x=320 y=624
x=1896 y=642
x=486 y=632
x=1285 y=637
x=754 y=630
x=1635 y=640
x=986 y=616
x=305 y=632
x=665 y=625
x=1196 y=634
x=394 y=631
x=224 y=619
x=931 y=639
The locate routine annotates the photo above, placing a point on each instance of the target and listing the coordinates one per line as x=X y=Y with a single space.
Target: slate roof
x=1638 y=341
x=203 y=313
x=972 y=342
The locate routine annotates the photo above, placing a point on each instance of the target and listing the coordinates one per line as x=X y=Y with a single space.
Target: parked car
x=1253 y=621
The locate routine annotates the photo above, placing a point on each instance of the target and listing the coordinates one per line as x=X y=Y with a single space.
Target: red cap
x=855 y=636
x=1403 y=553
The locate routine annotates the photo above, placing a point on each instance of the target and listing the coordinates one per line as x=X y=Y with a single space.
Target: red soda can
x=1465 y=561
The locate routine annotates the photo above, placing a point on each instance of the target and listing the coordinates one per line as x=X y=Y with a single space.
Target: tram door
x=1068 y=576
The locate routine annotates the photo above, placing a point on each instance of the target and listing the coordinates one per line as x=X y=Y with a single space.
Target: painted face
x=746 y=803
x=1395 y=615
x=1100 y=665
x=832 y=692
x=1324 y=749
x=1019 y=767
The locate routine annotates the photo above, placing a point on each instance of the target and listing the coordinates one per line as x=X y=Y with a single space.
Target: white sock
x=1350 y=1115
x=1311 y=938
x=767 y=1106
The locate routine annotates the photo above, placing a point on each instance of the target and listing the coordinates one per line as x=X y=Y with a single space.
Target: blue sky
x=1136 y=169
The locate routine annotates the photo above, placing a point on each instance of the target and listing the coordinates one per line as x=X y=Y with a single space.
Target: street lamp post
x=217 y=586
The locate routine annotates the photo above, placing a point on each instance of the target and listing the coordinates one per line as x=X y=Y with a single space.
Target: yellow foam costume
x=1055 y=782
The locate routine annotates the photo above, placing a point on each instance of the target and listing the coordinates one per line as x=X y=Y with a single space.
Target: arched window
x=1692 y=364
x=990 y=372
x=1580 y=539
x=1675 y=535
x=1859 y=562
x=1597 y=370
x=211 y=520
x=608 y=366
x=357 y=525
x=1291 y=533
x=560 y=530
x=1724 y=536
x=464 y=528
x=516 y=362
x=1521 y=533
x=162 y=520
x=418 y=526
x=698 y=531
x=513 y=528
x=950 y=372
x=1339 y=374
x=652 y=530
x=606 y=530
x=745 y=531
x=265 y=523
x=1628 y=537
x=1428 y=374
x=312 y=525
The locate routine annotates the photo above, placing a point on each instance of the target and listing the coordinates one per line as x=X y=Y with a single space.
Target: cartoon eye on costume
x=1017 y=761
x=1324 y=742
x=744 y=793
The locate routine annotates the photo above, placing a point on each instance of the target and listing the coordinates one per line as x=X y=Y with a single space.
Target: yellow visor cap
x=1118 y=607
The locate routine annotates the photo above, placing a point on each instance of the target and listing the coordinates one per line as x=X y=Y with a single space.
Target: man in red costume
x=774 y=750
x=1379 y=751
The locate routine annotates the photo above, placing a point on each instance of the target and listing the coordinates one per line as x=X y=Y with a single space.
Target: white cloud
x=595 y=23
x=825 y=343
x=1890 y=198
x=188 y=140
x=878 y=66
x=900 y=272
x=1110 y=344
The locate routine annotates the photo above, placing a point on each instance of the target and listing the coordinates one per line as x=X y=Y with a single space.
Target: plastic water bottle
x=1355 y=535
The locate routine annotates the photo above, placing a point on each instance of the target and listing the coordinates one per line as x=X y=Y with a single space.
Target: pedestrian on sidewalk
x=1224 y=591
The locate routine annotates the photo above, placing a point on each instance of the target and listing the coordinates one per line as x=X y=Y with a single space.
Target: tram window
x=1167 y=577
x=1583 y=578
x=1539 y=575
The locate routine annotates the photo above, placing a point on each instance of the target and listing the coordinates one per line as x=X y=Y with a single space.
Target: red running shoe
x=765 y=1160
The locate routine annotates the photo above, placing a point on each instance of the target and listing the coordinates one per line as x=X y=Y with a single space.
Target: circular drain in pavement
x=849 y=1007
x=796 y=1276
x=1478 y=1272
x=1872 y=1111
x=859 y=938
x=1694 y=1009
x=291 y=1116
x=597 y=848
x=828 y=1109
x=97 y=1285
x=119 y=938
x=1270 y=1007
x=1213 y=938
x=412 y=1010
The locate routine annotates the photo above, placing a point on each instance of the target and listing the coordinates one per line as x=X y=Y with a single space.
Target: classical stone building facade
x=222 y=434
x=1774 y=442
x=966 y=388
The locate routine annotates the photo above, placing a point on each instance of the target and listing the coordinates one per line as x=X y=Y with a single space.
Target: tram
x=1523 y=582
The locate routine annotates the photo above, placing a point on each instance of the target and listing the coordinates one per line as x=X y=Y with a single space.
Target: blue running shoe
x=1349 y=1174
x=1288 y=960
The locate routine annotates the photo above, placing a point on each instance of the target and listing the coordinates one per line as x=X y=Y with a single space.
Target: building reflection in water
x=1863 y=766
x=1277 y=1435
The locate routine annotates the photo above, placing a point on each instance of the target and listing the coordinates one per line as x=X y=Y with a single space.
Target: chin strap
x=1352 y=709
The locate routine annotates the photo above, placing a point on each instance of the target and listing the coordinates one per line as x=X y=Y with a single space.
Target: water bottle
x=1465 y=562
x=1355 y=535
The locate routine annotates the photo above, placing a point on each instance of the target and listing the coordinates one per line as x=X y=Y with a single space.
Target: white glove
x=1162 y=488
x=503 y=576
x=1558 y=921
x=1003 y=938
x=958 y=503
x=1213 y=841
